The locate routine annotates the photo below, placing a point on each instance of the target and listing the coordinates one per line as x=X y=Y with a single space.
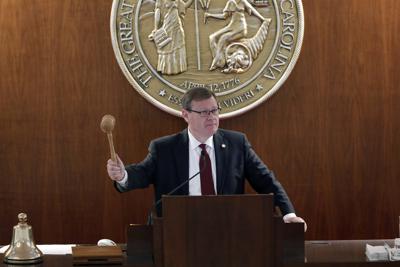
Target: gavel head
x=107 y=123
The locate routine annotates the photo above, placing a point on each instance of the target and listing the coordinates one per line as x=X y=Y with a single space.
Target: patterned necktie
x=206 y=180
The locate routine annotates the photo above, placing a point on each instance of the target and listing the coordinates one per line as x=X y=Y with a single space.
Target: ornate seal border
x=292 y=63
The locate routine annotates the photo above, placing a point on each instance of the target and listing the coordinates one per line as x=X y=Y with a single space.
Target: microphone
x=150 y=216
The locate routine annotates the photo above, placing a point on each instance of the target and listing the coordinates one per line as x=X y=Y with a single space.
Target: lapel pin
x=223 y=145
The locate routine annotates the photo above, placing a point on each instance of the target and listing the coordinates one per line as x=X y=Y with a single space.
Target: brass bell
x=22 y=249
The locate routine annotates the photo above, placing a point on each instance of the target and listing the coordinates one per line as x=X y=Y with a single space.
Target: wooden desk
x=335 y=253
x=340 y=253
x=66 y=261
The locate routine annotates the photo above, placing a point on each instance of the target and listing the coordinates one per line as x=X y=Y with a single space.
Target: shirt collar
x=194 y=143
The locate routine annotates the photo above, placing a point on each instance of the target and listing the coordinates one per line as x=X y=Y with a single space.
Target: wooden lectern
x=237 y=230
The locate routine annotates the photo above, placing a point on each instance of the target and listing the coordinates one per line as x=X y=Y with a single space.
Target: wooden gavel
x=107 y=125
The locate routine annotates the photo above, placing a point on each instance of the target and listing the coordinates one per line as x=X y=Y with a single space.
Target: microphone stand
x=150 y=216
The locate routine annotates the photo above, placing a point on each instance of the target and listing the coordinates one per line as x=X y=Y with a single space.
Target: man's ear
x=185 y=114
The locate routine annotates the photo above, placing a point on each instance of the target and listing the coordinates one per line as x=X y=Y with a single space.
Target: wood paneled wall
x=331 y=133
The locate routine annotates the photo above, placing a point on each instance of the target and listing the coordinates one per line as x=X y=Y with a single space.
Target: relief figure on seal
x=169 y=36
x=230 y=51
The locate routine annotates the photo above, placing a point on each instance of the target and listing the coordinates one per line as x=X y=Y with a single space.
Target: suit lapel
x=181 y=155
x=220 y=159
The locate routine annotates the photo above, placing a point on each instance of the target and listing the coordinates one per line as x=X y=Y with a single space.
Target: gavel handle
x=112 y=150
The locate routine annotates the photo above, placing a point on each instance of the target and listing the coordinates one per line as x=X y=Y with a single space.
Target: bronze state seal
x=242 y=50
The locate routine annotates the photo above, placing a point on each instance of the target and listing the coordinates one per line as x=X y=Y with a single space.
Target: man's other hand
x=296 y=220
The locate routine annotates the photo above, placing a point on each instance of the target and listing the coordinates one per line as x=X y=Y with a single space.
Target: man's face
x=202 y=127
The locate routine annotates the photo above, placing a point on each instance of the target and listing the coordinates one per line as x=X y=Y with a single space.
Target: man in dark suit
x=223 y=158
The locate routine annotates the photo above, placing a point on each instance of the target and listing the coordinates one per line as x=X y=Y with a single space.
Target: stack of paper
x=376 y=253
x=50 y=249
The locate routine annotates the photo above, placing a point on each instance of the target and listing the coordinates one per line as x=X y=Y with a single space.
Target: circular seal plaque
x=242 y=50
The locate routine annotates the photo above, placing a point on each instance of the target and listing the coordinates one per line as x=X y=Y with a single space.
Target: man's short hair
x=196 y=94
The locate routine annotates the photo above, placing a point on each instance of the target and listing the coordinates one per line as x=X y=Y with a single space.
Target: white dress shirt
x=194 y=157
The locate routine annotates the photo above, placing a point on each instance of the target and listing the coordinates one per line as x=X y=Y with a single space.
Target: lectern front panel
x=218 y=231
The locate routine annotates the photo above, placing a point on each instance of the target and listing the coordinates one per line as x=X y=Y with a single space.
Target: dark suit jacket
x=167 y=165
